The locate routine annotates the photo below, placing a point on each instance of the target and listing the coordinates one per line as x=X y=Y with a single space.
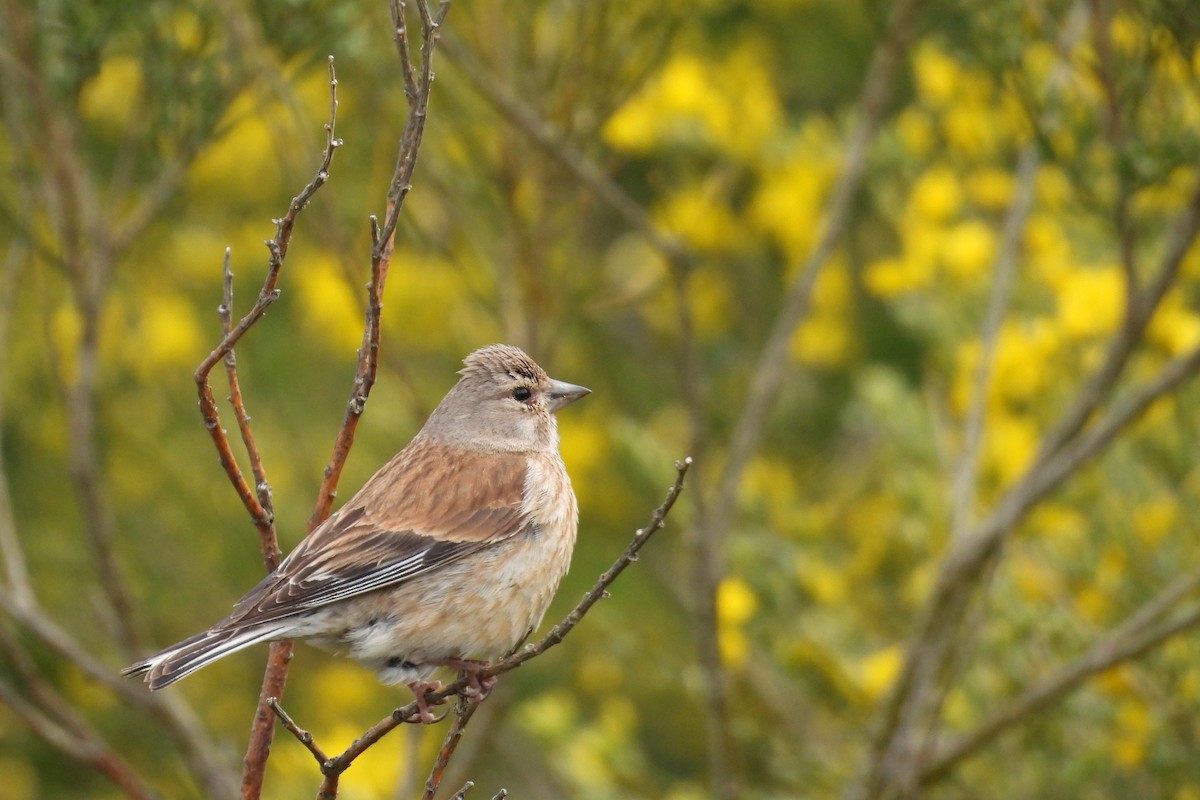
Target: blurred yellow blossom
x=110 y=98
x=1155 y=518
x=827 y=584
x=736 y=602
x=1133 y=728
x=789 y=200
x=167 y=334
x=1174 y=328
x=701 y=216
x=1091 y=301
x=889 y=277
x=246 y=160
x=877 y=671
x=1009 y=446
x=333 y=316
x=971 y=131
x=1127 y=33
x=826 y=339
x=969 y=249
x=990 y=188
x=1034 y=579
x=936 y=195
x=731 y=104
x=936 y=74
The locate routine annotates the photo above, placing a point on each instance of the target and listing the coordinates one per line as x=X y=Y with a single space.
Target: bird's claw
x=421 y=691
x=477 y=688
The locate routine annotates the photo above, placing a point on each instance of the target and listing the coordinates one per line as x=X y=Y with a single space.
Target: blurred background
x=915 y=284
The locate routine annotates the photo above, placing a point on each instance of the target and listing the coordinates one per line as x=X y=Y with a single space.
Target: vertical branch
x=463 y=711
x=1004 y=272
x=417 y=90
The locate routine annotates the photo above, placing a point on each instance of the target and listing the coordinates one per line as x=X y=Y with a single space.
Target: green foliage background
x=727 y=122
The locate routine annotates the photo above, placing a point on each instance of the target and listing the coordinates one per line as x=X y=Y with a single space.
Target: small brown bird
x=451 y=552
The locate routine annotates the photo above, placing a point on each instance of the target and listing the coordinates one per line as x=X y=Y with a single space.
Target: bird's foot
x=421 y=691
x=477 y=687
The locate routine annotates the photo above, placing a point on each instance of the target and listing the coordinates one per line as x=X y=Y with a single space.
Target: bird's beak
x=563 y=394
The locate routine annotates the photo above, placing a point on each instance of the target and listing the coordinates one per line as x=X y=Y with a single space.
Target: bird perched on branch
x=450 y=553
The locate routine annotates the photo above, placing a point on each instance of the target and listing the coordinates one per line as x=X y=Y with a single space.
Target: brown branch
x=304 y=737
x=262 y=488
x=463 y=711
x=382 y=240
x=335 y=766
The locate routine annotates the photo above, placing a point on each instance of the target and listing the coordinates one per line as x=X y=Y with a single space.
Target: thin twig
x=1004 y=271
x=304 y=737
x=463 y=711
x=262 y=488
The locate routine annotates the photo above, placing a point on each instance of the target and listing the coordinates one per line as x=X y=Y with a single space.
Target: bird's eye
x=522 y=393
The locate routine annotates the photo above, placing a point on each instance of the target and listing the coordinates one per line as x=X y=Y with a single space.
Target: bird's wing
x=429 y=506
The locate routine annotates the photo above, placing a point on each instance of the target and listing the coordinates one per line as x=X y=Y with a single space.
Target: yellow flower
x=824 y=339
x=332 y=314
x=1155 y=518
x=702 y=218
x=891 y=277
x=167 y=334
x=1134 y=726
x=990 y=188
x=969 y=249
x=245 y=160
x=878 y=671
x=733 y=105
x=936 y=196
x=736 y=602
x=828 y=585
x=1175 y=329
x=971 y=130
x=110 y=98
x=936 y=74
x=1091 y=302
x=1127 y=33
x=1009 y=445
x=1034 y=580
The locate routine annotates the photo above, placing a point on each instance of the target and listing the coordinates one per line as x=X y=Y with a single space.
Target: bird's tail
x=180 y=660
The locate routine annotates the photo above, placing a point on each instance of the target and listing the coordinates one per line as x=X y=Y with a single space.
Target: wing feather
x=431 y=505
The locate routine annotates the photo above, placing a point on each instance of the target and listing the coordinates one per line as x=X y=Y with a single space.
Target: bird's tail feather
x=184 y=658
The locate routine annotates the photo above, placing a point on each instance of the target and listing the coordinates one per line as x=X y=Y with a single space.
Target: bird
x=448 y=556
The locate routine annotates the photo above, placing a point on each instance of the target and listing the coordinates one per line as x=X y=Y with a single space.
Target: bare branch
x=1003 y=272
x=463 y=711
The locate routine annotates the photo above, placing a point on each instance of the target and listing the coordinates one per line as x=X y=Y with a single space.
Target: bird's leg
x=477 y=688
x=421 y=690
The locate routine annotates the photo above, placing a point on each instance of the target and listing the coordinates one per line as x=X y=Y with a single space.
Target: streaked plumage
x=451 y=551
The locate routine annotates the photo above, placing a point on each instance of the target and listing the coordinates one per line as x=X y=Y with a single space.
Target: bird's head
x=503 y=402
